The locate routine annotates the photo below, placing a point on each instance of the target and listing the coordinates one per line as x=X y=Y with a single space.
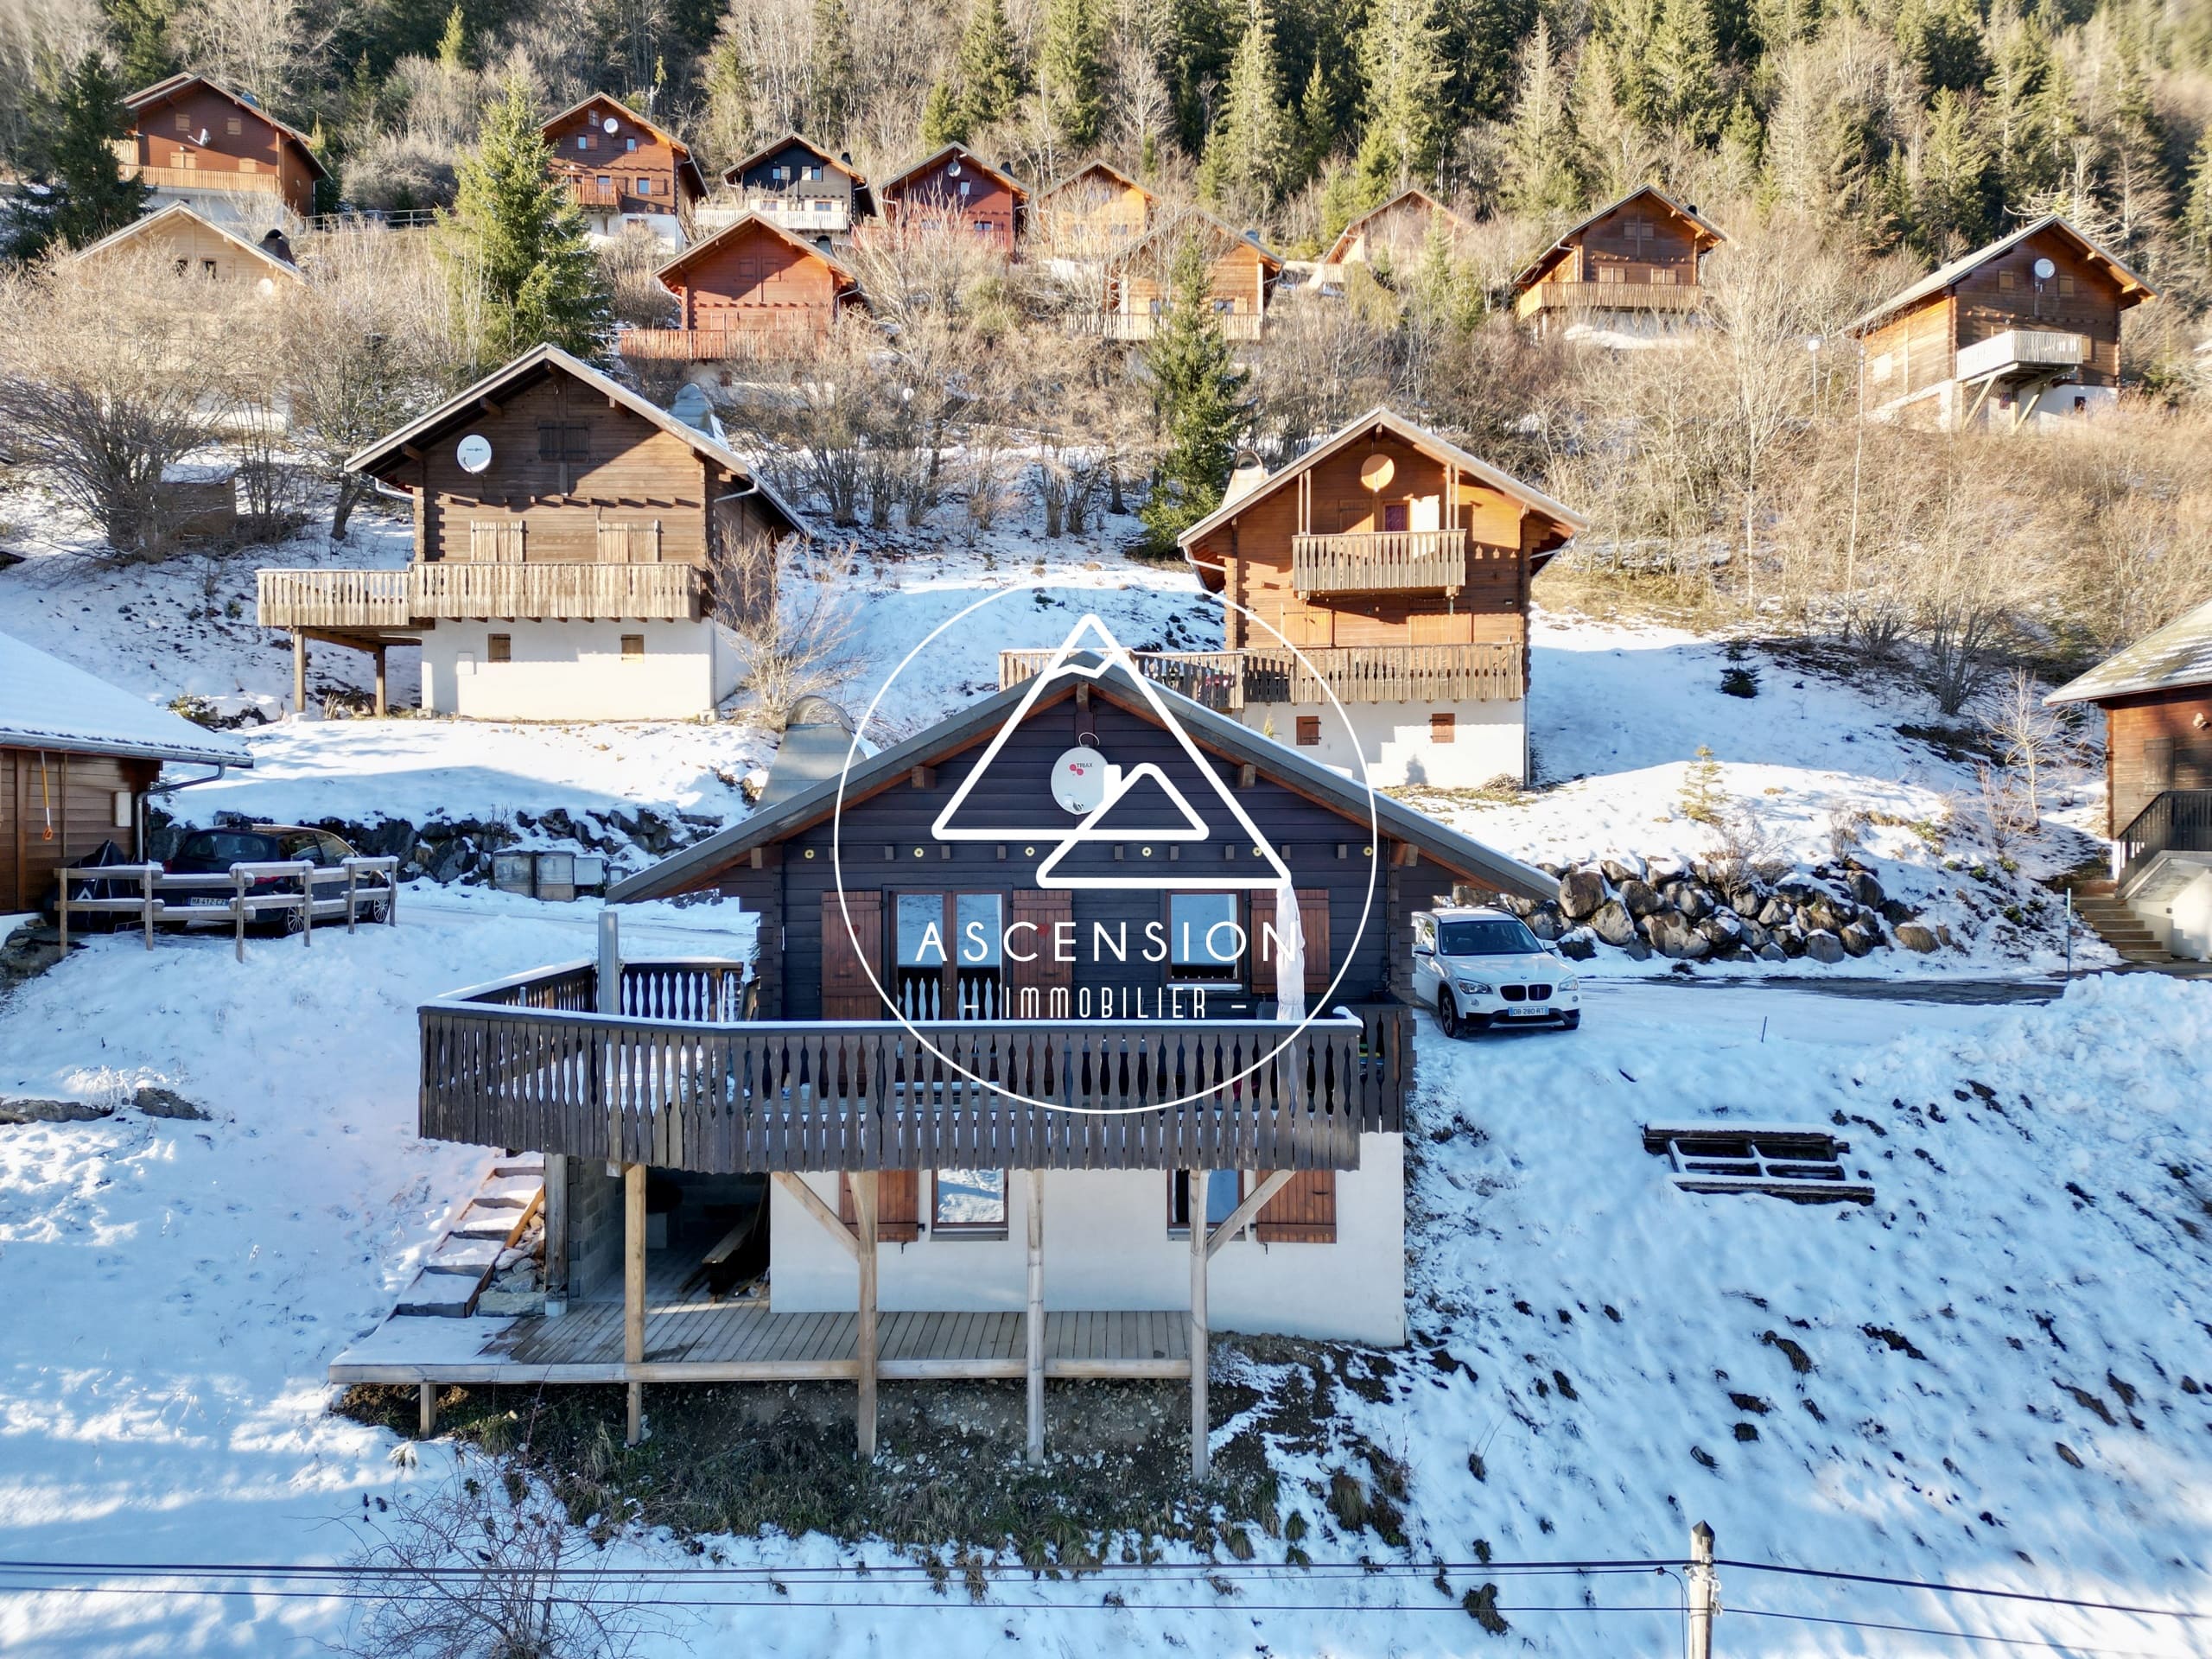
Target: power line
x=1962 y=1590
x=1955 y=1635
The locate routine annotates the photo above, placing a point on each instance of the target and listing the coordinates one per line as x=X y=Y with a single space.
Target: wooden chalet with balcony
x=193 y=141
x=190 y=245
x=751 y=291
x=1395 y=235
x=1094 y=213
x=1399 y=566
x=1630 y=272
x=797 y=184
x=972 y=1109
x=2157 y=700
x=2025 y=329
x=957 y=190
x=1242 y=274
x=626 y=172
x=568 y=534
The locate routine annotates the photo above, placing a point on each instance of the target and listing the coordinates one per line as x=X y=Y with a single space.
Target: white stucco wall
x=575 y=670
x=1490 y=740
x=1107 y=1248
x=2189 y=932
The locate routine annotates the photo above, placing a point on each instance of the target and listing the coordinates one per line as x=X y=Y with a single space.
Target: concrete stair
x=2114 y=922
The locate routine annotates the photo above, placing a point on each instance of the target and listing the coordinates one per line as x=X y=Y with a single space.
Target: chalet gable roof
x=46 y=703
x=1171 y=230
x=177 y=211
x=968 y=157
x=735 y=170
x=2166 y=660
x=1068 y=181
x=975 y=726
x=685 y=166
x=698 y=250
x=1377 y=420
x=2132 y=289
x=388 y=453
x=161 y=91
x=1707 y=233
x=1342 y=245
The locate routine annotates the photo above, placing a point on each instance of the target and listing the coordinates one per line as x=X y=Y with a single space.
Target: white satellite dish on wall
x=2045 y=270
x=474 y=453
x=1080 y=777
x=952 y=170
x=612 y=125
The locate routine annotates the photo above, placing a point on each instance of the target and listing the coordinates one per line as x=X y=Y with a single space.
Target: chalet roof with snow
x=2170 y=659
x=1702 y=231
x=47 y=704
x=2133 y=291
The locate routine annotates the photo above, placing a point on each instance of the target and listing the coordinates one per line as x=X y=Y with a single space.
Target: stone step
x=512 y=1191
x=445 y=1295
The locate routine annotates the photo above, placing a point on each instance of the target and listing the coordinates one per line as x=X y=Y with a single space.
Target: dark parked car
x=213 y=852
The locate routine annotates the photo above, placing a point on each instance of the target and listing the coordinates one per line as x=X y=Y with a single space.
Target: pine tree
x=1071 y=71
x=1538 y=144
x=1953 y=209
x=829 y=73
x=453 y=44
x=944 y=119
x=1403 y=65
x=1615 y=151
x=1199 y=397
x=84 y=116
x=140 y=29
x=1684 y=64
x=727 y=129
x=2030 y=114
x=515 y=240
x=1251 y=149
x=987 y=72
x=1943 y=40
x=1483 y=38
x=1317 y=123
x=1444 y=292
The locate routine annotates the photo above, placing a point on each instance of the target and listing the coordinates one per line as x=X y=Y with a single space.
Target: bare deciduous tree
x=2026 y=736
x=787 y=612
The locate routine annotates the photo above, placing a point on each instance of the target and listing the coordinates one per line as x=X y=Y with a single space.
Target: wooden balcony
x=421 y=594
x=2021 y=351
x=815 y=215
x=1608 y=297
x=1240 y=328
x=680 y=1080
x=760 y=342
x=1381 y=562
x=1229 y=682
x=205 y=178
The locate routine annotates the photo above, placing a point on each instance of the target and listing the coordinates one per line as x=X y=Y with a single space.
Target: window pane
x=921 y=931
x=1504 y=937
x=1221 y=1196
x=1202 y=929
x=981 y=940
x=970 y=1198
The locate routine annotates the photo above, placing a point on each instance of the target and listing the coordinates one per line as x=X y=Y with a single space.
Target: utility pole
x=1705 y=1591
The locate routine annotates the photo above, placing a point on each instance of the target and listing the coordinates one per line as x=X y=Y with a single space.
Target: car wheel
x=1447 y=1014
x=1570 y=1021
x=294 y=921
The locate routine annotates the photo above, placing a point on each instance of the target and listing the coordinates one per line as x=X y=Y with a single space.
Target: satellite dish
x=1079 y=779
x=265 y=287
x=203 y=137
x=474 y=453
x=612 y=125
x=2045 y=270
x=952 y=170
x=1377 y=472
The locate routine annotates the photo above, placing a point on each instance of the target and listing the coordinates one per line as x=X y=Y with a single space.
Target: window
x=1309 y=731
x=2079 y=404
x=606 y=184
x=1204 y=943
x=1663 y=276
x=968 y=1203
x=950 y=954
x=583 y=141
x=207 y=269
x=499 y=647
x=645 y=185
x=2065 y=286
x=633 y=648
x=183 y=121
x=234 y=126
x=2007 y=281
x=1609 y=273
x=963 y=190
x=811 y=172
x=1503 y=938
x=1442 y=728
x=1224 y=1191
x=560 y=442
x=1395 y=517
x=779 y=174
x=629 y=144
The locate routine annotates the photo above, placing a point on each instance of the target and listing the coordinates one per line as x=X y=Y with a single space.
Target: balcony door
x=948 y=955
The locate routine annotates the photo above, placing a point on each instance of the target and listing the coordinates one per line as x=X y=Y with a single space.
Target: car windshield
x=227 y=847
x=1502 y=937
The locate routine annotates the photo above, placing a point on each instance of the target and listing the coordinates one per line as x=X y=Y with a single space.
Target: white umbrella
x=1290 y=955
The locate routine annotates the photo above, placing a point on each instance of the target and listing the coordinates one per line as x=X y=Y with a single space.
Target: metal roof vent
x=692 y=409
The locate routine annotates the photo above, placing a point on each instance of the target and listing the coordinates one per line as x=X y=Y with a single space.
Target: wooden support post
x=306 y=906
x=1201 y=1458
x=864 y=1214
x=384 y=705
x=556 y=1234
x=146 y=901
x=1704 y=1586
x=352 y=885
x=633 y=1290
x=427 y=1411
x=299 y=672
x=238 y=913
x=62 y=903
x=1034 y=1324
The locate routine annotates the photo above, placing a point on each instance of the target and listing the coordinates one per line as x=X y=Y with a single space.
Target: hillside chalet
x=2026 y=328
x=751 y=290
x=624 y=172
x=1399 y=565
x=977 y=1112
x=192 y=246
x=1394 y=235
x=955 y=189
x=1241 y=275
x=78 y=757
x=1096 y=211
x=1631 y=271
x=218 y=152
x=567 y=538
x=2157 y=699
x=797 y=184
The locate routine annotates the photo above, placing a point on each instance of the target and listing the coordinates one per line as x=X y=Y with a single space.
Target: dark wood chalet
x=1094 y=211
x=1242 y=273
x=1634 y=265
x=622 y=167
x=1396 y=233
x=544 y=494
x=753 y=289
x=802 y=187
x=77 y=758
x=957 y=190
x=1081 y=1038
x=195 y=141
x=2028 y=326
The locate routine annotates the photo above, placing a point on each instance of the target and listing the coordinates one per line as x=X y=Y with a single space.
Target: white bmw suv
x=1483 y=968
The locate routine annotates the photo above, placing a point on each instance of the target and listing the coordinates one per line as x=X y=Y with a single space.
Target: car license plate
x=1528 y=1014
x=208 y=904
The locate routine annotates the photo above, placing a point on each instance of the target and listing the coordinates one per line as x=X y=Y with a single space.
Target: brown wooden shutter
x=1303 y=1213
x=1044 y=911
x=847 y=992
x=898 y=1204
x=2157 y=764
x=1312 y=922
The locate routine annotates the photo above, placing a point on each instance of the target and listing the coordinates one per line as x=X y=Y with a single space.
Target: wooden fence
x=734 y=343
x=332 y=599
x=1229 y=681
x=244 y=892
x=523 y=1063
x=1382 y=562
x=508 y=588
x=1609 y=296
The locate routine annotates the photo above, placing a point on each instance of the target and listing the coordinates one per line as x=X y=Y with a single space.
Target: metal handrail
x=2175 y=821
